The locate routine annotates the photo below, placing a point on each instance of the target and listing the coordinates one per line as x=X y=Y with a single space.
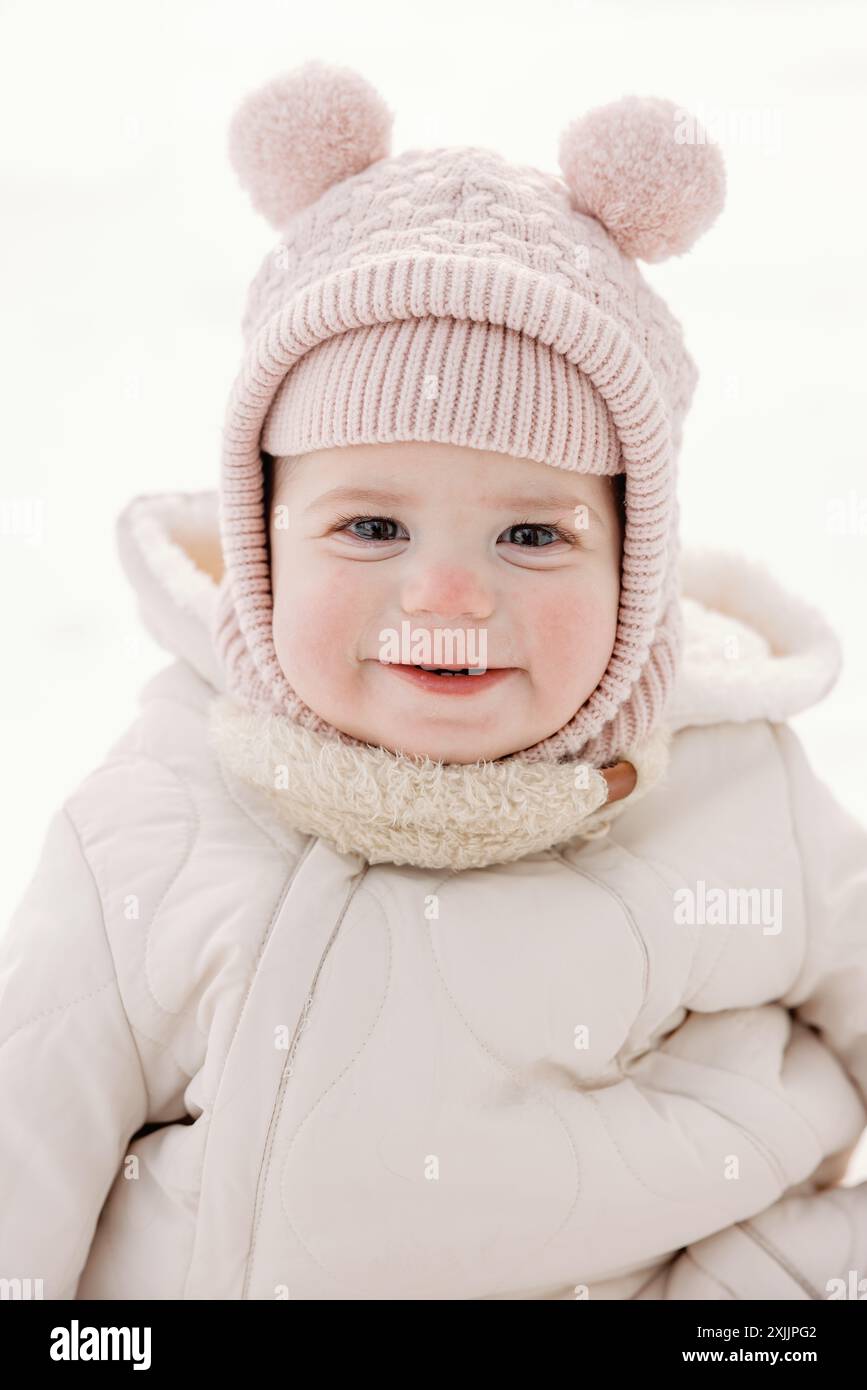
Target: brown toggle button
x=621 y=778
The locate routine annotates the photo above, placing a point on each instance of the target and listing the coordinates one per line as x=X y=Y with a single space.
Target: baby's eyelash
x=340 y=521
x=347 y=520
x=570 y=537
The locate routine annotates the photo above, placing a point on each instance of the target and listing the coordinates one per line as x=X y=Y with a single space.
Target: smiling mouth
x=451 y=680
x=453 y=670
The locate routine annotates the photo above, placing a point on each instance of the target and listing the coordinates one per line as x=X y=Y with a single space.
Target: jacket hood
x=751 y=651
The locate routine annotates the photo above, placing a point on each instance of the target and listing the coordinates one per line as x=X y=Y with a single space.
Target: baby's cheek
x=572 y=638
x=314 y=617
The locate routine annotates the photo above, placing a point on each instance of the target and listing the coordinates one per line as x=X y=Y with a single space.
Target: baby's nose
x=448 y=591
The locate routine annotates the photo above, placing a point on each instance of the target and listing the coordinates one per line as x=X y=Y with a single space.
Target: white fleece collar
x=393 y=808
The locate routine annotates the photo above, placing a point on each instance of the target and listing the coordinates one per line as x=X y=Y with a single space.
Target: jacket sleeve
x=72 y=1090
x=830 y=993
x=808 y=1245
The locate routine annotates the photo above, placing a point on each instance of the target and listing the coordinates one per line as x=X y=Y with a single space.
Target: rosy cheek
x=567 y=631
x=316 y=616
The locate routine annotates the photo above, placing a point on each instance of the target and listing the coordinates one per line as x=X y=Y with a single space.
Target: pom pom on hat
x=310 y=128
x=644 y=168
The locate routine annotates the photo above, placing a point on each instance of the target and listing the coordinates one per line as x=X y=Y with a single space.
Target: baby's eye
x=375 y=525
x=526 y=530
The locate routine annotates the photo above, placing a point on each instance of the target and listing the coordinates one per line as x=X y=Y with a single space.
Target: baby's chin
x=446 y=745
x=441 y=752
x=450 y=752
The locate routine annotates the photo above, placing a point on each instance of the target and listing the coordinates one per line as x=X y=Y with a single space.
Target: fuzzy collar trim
x=399 y=809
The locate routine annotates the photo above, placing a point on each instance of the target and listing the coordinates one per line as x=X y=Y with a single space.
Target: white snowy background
x=128 y=247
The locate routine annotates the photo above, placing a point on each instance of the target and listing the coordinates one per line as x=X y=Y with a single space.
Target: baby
x=345 y=977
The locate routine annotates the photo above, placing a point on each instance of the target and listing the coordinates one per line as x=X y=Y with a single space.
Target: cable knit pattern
x=461 y=235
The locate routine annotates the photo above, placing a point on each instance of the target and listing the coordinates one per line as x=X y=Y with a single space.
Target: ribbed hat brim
x=455 y=381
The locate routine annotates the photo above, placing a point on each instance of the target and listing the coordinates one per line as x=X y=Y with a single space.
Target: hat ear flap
x=645 y=169
x=293 y=138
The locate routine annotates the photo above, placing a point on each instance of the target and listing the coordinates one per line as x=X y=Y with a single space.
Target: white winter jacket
x=243 y=1061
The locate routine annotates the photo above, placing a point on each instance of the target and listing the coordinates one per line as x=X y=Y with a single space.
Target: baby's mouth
x=450 y=680
x=454 y=670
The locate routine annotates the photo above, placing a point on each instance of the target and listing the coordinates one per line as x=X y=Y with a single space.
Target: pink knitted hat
x=448 y=295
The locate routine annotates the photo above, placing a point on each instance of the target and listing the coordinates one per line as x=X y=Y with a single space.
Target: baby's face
x=374 y=546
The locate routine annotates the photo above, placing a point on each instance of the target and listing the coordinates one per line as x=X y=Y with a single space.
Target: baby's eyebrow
x=349 y=492
x=543 y=501
x=538 y=501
